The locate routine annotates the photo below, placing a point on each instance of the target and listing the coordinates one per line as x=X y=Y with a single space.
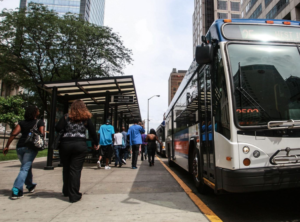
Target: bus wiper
x=245 y=93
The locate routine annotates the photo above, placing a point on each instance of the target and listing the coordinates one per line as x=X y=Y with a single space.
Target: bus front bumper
x=258 y=179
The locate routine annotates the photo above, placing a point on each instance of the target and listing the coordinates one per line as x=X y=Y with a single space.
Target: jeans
x=124 y=153
x=26 y=157
x=135 y=153
x=72 y=157
x=117 y=149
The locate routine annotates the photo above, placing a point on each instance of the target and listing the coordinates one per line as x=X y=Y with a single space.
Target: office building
x=206 y=11
x=271 y=9
x=174 y=82
x=90 y=10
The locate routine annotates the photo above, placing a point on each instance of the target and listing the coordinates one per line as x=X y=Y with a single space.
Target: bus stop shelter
x=112 y=98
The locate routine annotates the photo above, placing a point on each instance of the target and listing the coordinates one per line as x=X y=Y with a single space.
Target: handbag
x=35 y=139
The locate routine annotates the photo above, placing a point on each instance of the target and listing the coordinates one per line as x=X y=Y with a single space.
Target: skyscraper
x=206 y=11
x=271 y=9
x=174 y=82
x=89 y=10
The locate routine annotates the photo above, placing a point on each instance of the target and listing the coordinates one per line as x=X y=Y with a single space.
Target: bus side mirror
x=204 y=54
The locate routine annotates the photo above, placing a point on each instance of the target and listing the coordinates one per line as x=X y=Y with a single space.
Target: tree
x=37 y=45
x=11 y=111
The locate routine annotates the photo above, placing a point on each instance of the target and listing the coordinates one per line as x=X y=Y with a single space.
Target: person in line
x=151 y=139
x=106 y=132
x=118 y=137
x=125 y=146
x=73 y=147
x=144 y=147
x=134 y=133
x=25 y=155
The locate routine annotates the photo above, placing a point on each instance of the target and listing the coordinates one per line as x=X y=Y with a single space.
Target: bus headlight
x=256 y=153
x=246 y=149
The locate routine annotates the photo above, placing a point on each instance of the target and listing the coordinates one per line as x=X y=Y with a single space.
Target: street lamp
x=148 y=112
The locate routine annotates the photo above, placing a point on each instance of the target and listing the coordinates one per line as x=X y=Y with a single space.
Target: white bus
x=234 y=122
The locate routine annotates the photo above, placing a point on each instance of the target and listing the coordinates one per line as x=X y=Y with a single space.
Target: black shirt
x=26 y=126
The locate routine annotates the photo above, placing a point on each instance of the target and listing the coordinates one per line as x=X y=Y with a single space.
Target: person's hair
x=79 y=112
x=152 y=131
x=31 y=112
x=117 y=130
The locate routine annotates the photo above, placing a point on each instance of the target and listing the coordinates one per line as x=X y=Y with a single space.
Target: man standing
x=118 y=137
x=134 y=133
x=125 y=146
x=106 y=132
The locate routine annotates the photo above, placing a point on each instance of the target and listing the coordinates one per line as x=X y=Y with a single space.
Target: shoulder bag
x=35 y=139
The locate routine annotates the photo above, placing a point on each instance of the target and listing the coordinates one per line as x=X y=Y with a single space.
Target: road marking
x=199 y=203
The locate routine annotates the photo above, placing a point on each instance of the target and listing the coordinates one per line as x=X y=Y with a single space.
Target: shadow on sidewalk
x=37 y=194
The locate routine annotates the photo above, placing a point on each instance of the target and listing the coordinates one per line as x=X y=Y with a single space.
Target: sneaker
x=124 y=161
x=99 y=164
x=31 y=189
x=134 y=168
x=107 y=167
x=16 y=194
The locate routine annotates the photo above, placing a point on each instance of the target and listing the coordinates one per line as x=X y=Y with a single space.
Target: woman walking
x=151 y=146
x=25 y=155
x=73 y=146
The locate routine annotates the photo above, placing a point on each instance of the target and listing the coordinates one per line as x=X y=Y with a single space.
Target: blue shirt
x=134 y=133
x=106 y=131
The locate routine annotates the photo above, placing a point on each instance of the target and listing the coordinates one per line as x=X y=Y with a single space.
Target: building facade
x=271 y=9
x=206 y=11
x=90 y=10
x=174 y=82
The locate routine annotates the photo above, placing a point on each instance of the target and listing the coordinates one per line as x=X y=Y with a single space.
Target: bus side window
x=221 y=108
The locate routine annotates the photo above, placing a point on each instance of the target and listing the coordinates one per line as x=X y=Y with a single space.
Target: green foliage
x=11 y=110
x=37 y=45
x=12 y=155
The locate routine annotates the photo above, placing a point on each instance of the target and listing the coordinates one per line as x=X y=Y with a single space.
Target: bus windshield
x=266 y=83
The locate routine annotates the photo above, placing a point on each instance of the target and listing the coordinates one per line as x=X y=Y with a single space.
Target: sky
x=160 y=35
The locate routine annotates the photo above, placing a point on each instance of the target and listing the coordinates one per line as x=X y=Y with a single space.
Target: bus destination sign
x=122 y=99
x=262 y=32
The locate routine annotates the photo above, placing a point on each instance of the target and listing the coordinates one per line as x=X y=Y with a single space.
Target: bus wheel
x=198 y=180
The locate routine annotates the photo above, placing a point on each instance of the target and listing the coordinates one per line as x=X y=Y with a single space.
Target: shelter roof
x=94 y=91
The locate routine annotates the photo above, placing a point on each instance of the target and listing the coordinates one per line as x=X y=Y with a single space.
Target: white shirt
x=118 y=139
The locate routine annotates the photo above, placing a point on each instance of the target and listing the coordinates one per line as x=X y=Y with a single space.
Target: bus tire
x=196 y=173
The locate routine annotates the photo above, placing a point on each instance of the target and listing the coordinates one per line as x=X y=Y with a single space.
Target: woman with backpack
x=73 y=148
x=26 y=155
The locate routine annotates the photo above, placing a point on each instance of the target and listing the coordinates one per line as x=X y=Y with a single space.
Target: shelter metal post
x=52 y=130
x=106 y=107
x=121 y=121
x=116 y=117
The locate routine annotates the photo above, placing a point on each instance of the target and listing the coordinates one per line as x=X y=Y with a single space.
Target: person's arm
x=92 y=132
x=142 y=130
x=147 y=138
x=14 y=133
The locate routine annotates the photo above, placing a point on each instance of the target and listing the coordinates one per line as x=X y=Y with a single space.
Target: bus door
x=206 y=129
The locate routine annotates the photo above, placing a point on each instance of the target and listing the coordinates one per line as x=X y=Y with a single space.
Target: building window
x=235 y=16
x=235 y=6
x=222 y=15
x=250 y=5
x=267 y=2
x=256 y=12
x=222 y=5
x=242 y=14
x=277 y=9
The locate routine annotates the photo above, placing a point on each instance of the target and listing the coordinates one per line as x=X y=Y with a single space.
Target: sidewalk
x=119 y=194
